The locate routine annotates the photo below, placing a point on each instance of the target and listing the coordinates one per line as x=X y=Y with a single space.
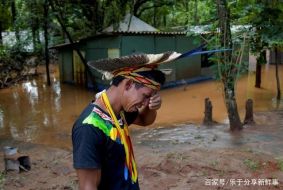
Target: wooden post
x=208 y=112
x=249 y=118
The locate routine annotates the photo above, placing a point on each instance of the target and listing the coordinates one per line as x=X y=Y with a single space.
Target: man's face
x=135 y=98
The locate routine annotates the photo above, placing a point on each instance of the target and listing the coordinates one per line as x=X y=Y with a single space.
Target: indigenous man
x=102 y=149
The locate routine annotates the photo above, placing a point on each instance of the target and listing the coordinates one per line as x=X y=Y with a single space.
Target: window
x=113 y=52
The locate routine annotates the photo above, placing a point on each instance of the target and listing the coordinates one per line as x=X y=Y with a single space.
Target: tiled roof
x=149 y=33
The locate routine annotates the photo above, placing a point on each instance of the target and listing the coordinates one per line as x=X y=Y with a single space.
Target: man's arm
x=88 y=142
x=89 y=179
x=147 y=114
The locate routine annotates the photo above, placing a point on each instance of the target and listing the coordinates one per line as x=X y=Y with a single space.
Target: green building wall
x=66 y=65
x=182 y=69
x=98 y=48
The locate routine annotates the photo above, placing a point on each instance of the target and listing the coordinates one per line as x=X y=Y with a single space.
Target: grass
x=73 y=184
x=204 y=173
x=280 y=164
x=252 y=164
x=2 y=180
x=176 y=156
x=249 y=150
x=214 y=163
x=221 y=173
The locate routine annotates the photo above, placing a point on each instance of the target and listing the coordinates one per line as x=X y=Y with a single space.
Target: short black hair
x=155 y=75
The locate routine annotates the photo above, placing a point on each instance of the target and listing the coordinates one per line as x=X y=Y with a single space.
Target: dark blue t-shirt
x=93 y=148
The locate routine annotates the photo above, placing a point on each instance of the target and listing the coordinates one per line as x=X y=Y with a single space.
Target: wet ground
x=265 y=138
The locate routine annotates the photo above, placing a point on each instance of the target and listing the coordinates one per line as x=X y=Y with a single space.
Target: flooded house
x=132 y=36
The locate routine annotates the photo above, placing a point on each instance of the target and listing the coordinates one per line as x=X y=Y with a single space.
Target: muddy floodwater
x=34 y=112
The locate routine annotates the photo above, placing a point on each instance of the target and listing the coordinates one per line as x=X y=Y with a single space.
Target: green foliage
x=280 y=164
x=5 y=15
x=3 y=52
x=179 y=14
x=214 y=163
x=83 y=18
x=115 y=13
x=252 y=164
x=229 y=70
x=2 y=179
x=265 y=19
x=74 y=19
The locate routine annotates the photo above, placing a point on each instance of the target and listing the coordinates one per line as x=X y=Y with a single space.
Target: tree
x=278 y=59
x=56 y=9
x=228 y=67
x=14 y=19
x=45 y=27
x=153 y=12
x=265 y=20
x=5 y=18
x=29 y=19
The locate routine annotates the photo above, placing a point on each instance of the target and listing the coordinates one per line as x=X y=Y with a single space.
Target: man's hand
x=154 y=102
x=147 y=114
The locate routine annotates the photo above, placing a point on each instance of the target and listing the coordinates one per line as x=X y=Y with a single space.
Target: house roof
x=64 y=45
x=145 y=33
x=105 y=34
x=131 y=23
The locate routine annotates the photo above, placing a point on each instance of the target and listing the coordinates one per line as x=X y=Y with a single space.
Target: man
x=102 y=149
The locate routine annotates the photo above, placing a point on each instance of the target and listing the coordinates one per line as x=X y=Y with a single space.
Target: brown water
x=186 y=103
x=34 y=112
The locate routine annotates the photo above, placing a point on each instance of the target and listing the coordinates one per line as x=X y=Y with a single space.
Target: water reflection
x=31 y=91
x=57 y=91
x=1 y=118
x=13 y=130
x=35 y=112
x=187 y=103
x=277 y=104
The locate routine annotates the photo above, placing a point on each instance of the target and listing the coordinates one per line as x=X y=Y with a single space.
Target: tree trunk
x=59 y=18
x=33 y=38
x=208 y=113
x=232 y=109
x=164 y=21
x=1 y=40
x=154 y=14
x=224 y=25
x=35 y=28
x=14 y=17
x=249 y=118
x=187 y=12
x=258 y=75
x=196 y=12
x=261 y=59
x=46 y=5
x=97 y=16
x=277 y=61
x=228 y=74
